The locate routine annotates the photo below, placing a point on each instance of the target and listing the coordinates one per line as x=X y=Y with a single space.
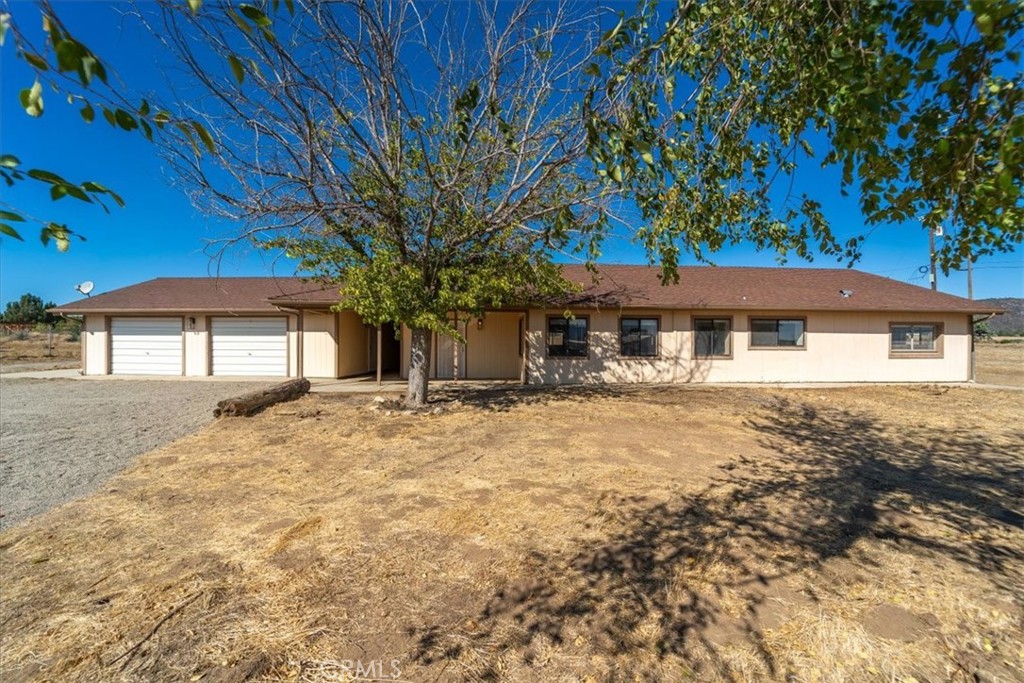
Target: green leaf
x=36 y=61
x=90 y=67
x=290 y=4
x=147 y=130
x=69 y=55
x=255 y=15
x=5 y=23
x=236 y=68
x=9 y=161
x=205 y=137
x=239 y=22
x=144 y=108
x=645 y=152
x=91 y=186
x=61 y=190
x=984 y=24
x=10 y=232
x=9 y=216
x=88 y=113
x=194 y=5
x=109 y=116
x=32 y=99
x=46 y=176
x=160 y=118
x=58 y=233
x=125 y=120
x=76 y=192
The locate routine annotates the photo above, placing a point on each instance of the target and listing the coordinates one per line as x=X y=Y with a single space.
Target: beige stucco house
x=717 y=324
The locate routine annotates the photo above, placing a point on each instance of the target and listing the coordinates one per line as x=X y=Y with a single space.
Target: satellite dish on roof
x=85 y=287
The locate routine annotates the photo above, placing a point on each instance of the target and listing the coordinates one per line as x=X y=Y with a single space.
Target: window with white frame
x=911 y=338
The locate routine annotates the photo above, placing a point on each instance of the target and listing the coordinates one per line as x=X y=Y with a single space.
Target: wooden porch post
x=380 y=339
x=455 y=351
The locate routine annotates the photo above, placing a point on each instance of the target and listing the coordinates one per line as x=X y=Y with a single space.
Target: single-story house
x=719 y=324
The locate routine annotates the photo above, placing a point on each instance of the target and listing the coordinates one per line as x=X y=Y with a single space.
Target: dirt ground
x=64 y=438
x=38 y=352
x=655 y=534
x=1000 y=363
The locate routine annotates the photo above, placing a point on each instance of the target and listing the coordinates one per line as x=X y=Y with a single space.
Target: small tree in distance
x=28 y=310
x=424 y=158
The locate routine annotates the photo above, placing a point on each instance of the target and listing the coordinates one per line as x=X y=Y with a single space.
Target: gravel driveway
x=61 y=439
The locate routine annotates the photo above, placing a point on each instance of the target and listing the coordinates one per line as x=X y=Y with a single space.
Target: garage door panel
x=250 y=346
x=145 y=346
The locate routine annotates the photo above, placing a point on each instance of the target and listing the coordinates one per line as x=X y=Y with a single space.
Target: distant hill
x=1012 y=320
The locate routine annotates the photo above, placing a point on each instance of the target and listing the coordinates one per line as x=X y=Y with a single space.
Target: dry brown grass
x=37 y=347
x=1000 y=363
x=597 y=535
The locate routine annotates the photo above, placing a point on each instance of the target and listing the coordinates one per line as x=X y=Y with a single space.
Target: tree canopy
x=68 y=68
x=28 y=309
x=715 y=104
x=419 y=192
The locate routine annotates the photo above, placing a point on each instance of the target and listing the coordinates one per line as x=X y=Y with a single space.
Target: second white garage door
x=250 y=346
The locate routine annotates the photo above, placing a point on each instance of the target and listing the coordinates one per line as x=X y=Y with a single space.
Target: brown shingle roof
x=183 y=294
x=707 y=287
x=761 y=288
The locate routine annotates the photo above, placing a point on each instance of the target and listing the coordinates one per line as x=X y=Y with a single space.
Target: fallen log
x=256 y=401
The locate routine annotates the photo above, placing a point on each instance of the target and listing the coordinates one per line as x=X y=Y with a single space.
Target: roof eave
x=164 y=311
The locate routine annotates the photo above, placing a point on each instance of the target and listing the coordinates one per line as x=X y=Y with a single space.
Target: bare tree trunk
x=419 y=368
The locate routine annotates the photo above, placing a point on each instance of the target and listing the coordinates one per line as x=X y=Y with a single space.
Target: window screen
x=713 y=337
x=638 y=336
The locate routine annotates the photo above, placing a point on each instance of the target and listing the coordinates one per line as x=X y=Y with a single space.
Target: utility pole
x=970 y=276
x=931 y=258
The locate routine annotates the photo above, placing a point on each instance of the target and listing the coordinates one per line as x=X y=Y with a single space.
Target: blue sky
x=158 y=233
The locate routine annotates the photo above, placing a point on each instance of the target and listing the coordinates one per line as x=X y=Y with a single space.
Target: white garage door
x=145 y=346
x=250 y=346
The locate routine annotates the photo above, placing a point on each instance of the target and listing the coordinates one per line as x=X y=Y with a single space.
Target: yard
x=709 y=534
x=31 y=350
x=1000 y=362
x=64 y=438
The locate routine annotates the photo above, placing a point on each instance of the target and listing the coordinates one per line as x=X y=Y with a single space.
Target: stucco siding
x=319 y=344
x=293 y=345
x=839 y=347
x=354 y=345
x=492 y=349
x=97 y=345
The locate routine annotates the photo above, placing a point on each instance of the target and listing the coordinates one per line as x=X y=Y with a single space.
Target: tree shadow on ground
x=675 y=580
x=506 y=398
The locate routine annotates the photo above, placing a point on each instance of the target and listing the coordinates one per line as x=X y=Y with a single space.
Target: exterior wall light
x=480 y=323
x=192 y=323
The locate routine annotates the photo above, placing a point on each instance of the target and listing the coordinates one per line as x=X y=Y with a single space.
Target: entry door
x=250 y=346
x=145 y=346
